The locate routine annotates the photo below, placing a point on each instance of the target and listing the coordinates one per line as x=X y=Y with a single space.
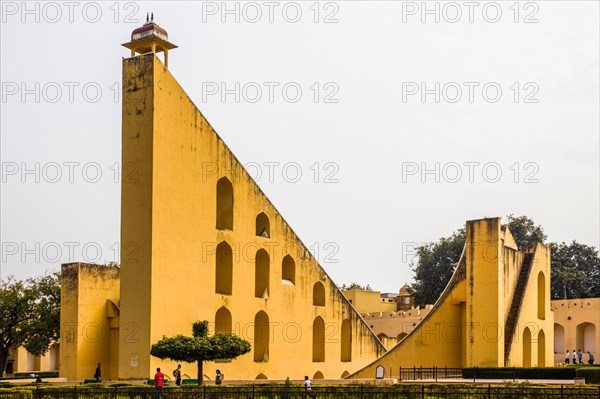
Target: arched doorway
x=527 y=347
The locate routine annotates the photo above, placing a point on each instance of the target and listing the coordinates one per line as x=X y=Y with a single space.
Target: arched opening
x=261 y=337
x=559 y=338
x=541 y=349
x=586 y=337
x=223 y=321
x=261 y=376
x=261 y=274
x=54 y=355
x=541 y=296
x=224 y=204
x=526 y=347
x=346 y=341
x=224 y=269
x=318 y=347
x=263 y=227
x=401 y=336
x=319 y=294
x=382 y=337
x=288 y=271
x=318 y=376
x=345 y=374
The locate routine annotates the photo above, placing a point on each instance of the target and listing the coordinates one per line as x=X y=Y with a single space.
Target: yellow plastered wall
x=540 y=330
x=169 y=219
x=86 y=337
x=369 y=301
x=576 y=326
x=485 y=293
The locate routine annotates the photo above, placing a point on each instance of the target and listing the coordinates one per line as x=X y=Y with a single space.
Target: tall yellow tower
x=201 y=241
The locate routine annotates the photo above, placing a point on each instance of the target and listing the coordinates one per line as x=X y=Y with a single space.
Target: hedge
x=591 y=374
x=520 y=373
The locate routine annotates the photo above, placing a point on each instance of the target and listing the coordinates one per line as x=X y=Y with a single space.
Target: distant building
x=391 y=316
x=21 y=361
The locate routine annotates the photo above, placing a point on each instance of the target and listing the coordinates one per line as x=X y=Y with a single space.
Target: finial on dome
x=152 y=17
x=147 y=17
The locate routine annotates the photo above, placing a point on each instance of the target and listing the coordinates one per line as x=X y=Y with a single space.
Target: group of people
x=578 y=356
x=159 y=379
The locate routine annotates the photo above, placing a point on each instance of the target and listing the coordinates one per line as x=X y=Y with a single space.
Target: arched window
x=559 y=338
x=261 y=337
x=541 y=296
x=401 y=336
x=261 y=376
x=318 y=376
x=288 y=271
x=263 y=227
x=345 y=374
x=541 y=349
x=318 y=347
x=526 y=347
x=224 y=269
x=261 y=274
x=223 y=321
x=346 y=341
x=586 y=337
x=319 y=294
x=224 y=204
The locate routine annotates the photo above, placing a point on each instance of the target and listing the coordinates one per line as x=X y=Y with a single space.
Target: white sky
x=363 y=220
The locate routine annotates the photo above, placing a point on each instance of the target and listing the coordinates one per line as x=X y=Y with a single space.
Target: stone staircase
x=515 y=307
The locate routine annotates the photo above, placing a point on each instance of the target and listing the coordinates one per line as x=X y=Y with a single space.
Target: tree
x=525 y=232
x=575 y=271
x=30 y=314
x=435 y=265
x=200 y=347
x=357 y=286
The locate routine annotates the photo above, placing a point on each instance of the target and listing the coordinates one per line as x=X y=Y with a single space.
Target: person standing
x=308 y=388
x=177 y=374
x=98 y=373
x=567 y=357
x=591 y=358
x=580 y=356
x=218 y=377
x=159 y=379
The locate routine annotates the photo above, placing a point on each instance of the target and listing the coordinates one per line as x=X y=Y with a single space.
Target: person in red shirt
x=159 y=379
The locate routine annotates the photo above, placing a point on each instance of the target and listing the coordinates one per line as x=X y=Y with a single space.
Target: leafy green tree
x=30 y=314
x=525 y=232
x=575 y=271
x=200 y=347
x=435 y=265
x=357 y=286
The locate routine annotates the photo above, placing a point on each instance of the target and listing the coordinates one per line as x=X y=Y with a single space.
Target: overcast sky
x=371 y=126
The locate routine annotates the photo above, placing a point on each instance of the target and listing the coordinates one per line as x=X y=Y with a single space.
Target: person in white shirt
x=307 y=388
